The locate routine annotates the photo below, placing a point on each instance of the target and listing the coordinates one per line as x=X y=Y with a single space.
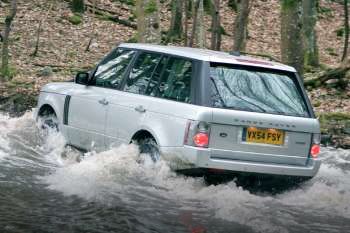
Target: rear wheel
x=48 y=121
x=149 y=146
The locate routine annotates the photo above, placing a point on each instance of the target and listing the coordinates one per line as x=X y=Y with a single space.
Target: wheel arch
x=142 y=134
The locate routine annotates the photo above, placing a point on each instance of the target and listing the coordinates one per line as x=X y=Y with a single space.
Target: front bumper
x=201 y=158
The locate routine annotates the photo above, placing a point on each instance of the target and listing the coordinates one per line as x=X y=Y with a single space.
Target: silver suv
x=201 y=108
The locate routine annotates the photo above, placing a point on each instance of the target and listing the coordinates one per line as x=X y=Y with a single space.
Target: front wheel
x=149 y=146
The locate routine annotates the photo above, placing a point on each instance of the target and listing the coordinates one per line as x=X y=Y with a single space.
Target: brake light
x=197 y=134
x=201 y=139
x=315 y=150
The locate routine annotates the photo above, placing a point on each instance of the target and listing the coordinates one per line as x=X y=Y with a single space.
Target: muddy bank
x=17 y=104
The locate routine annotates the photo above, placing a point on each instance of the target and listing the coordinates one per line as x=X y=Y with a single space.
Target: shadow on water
x=259 y=184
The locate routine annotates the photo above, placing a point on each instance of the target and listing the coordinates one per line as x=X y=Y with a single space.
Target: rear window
x=256 y=90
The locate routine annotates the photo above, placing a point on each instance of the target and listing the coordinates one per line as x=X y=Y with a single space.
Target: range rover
x=206 y=109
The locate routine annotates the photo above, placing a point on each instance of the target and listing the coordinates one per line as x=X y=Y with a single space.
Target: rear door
x=88 y=105
x=259 y=115
x=129 y=107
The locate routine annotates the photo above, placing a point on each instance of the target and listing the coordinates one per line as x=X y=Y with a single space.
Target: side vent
x=66 y=109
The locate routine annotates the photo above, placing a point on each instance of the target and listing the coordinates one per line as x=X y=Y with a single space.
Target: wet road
x=44 y=189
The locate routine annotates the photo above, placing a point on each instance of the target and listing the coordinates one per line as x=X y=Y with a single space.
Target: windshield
x=260 y=90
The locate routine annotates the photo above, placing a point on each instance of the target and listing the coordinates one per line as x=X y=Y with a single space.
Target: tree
x=311 y=57
x=346 y=30
x=195 y=5
x=176 y=29
x=215 y=26
x=5 y=50
x=78 y=6
x=291 y=34
x=241 y=25
x=148 y=22
x=200 y=25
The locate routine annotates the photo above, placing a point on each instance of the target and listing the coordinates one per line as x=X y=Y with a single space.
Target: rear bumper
x=202 y=158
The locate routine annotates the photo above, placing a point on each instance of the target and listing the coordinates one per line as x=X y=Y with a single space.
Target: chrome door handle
x=103 y=102
x=140 y=109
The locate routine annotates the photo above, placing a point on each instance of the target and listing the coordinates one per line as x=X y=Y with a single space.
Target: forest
x=50 y=40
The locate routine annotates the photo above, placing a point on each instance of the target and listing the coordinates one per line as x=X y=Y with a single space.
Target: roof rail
x=271 y=58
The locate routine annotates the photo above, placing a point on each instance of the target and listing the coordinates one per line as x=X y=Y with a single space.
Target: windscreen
x=256 y=90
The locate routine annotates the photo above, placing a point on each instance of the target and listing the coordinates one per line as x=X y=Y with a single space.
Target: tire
x=48 y=122
x=149 y=146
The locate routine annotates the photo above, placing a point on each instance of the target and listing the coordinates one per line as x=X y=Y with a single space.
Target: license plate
x=265 y=136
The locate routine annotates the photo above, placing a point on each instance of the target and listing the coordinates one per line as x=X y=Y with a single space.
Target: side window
x=153 y=85
x=141 y=73
x=175 y=82
x=110 y=72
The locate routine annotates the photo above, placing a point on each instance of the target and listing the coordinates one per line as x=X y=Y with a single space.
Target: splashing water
x=117 y=190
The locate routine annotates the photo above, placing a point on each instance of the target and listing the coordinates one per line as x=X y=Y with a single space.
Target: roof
x=209 y=55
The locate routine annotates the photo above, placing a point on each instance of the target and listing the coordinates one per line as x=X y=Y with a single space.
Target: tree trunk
x=148 y=22
x=78 y=6
x=291 y=34
x=5 y=50
x=200 y=27
x=186 y=23
x=176 y=29
x=311 y=57
x=346 y=30
x=215 y=26
x=241 y=26
x=194 y=23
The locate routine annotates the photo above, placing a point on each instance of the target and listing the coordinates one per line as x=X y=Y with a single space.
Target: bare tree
x=346 y=30
x=5 y=50
x=241 y=26
x=311 y=57
x=195 y=5
x=200 y=25
x=291 y=34
x=148 y=22
x=41 y=20
x=176 y=28
x=215 y=26
x=186 y=22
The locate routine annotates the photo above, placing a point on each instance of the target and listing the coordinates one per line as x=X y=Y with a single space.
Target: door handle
x=140 y=109
x=103 y=102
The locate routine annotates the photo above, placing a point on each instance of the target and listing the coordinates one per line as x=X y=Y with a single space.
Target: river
x=46 y=187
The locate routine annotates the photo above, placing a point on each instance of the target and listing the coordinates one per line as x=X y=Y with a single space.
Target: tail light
x=197 y=134
x=315 y=147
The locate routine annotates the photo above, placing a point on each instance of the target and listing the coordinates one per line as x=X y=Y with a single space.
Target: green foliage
x=340 y=32
x=326 y=11
x=9 y=72
x=132 y=39
x=151 y=7
x=233 y=5
x=287 y=4
x=127 y=2
x=208 y=7
x=75 y=19
x=78 y=6
x=331 y=51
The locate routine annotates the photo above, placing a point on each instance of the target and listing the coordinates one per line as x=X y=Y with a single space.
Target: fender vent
x=66 y=109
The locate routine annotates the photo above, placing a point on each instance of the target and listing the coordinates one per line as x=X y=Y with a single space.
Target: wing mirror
x=82 y=78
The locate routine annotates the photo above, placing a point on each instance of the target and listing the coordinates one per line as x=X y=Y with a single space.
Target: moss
x=75 y=19
x=9 y=73
x=151 y=7
x=331 y=51
x=340 y=32
x=287 y=4
x=334 y=116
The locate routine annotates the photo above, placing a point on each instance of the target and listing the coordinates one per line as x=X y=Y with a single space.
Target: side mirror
x=82 y=78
